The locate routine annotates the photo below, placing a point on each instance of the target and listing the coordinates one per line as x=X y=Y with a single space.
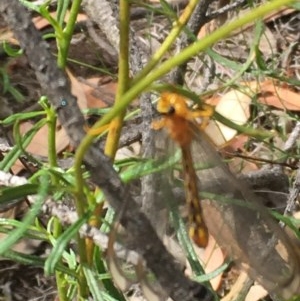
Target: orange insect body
x=242 y=226
x=178 y=129
x=177 y=118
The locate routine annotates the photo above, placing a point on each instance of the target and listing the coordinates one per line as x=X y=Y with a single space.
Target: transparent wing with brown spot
x=242 y=226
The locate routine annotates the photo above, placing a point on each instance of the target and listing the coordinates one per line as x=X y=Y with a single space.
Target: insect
x=229 y=209
x=177 y=117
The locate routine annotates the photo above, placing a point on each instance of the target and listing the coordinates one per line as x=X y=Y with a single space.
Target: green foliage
x=80 y=273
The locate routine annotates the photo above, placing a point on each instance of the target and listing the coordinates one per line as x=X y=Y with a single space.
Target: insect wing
x=242 y=226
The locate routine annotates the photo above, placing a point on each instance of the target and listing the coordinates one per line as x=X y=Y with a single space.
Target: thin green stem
x=187 y=53
x=61 y=282
x=81 y=206
x=176 y=30
x=57 y=228
x=62 y=7
x=123 y=82
x=166 y=66
x=64 y=42
x=51 y=120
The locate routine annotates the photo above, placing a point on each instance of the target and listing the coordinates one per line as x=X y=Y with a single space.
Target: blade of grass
x=61 y=245
x=16 y=234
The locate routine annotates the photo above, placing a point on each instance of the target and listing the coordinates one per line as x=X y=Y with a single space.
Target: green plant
x=88 y=275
